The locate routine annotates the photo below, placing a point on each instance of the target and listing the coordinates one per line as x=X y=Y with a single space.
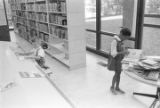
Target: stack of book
x=148 y=69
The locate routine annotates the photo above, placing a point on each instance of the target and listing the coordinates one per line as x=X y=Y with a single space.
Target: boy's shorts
x=41 y=61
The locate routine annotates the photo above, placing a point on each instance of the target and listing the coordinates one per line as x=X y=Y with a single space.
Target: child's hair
x=125 y=32
x=44 y=45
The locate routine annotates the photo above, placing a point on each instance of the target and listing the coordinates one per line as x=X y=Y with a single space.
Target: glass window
x=152 y=20
x=90 y=14
x=106 y=43
x=91 y=39
x=111 y=15
x=151 y=41
x=152 y=7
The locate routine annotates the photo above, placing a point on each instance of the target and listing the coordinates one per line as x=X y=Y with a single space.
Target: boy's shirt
x=114 y=46
x=39 y=52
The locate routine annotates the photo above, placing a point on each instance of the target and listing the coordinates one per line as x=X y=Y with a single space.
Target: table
x=149 y=82
x=28 y=92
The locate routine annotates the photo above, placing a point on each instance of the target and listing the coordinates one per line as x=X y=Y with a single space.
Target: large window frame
x=140 y=22
x=99 y=32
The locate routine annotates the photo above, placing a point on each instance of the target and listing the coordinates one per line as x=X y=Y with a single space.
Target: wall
x=4 y=29
x=2 y=14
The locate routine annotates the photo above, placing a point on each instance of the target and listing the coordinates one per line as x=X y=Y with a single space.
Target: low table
x=149 y=82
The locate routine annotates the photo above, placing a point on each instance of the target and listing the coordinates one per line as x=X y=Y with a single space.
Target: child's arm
x=26 y=53
x=33 y=57
x=125 y=52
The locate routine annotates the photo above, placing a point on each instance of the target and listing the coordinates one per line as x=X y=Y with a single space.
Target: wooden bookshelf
x=60 y=23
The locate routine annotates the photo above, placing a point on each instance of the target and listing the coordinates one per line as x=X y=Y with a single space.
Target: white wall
x=2 y=14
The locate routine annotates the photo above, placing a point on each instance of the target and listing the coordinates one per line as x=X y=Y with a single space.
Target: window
x=152 y=7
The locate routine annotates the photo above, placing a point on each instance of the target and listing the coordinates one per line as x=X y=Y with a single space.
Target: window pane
x=152 y=20
x=91 y=39
x=152 y=7
x=105 y=43
x=90 y=14
x=151 y=41
x=111 y=15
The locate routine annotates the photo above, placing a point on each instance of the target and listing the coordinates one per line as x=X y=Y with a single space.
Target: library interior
x=79 y=54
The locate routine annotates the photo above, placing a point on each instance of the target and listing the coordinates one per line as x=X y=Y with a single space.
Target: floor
x=90 y=87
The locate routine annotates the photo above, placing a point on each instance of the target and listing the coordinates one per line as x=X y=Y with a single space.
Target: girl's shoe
x=120 y=91
x=113 y=91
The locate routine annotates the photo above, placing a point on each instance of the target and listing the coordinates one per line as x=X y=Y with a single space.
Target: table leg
x=156 y=96
x=153 y=105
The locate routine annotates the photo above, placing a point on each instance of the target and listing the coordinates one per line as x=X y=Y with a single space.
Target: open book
x=133 y=56
x=30 y=75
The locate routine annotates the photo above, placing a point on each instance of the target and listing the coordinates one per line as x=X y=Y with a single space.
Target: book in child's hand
x=134 y=53
x=133 y=56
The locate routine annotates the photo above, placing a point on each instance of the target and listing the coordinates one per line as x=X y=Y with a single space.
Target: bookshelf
x=60 y=23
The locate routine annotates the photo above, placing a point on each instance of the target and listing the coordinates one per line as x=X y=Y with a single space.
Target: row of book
x=13 y=12
x=41 y=17
x=43 y=27
x=33 y=33
x=32 y=24
x=29 y=1
x=16 y=1
x=13 y=7
x=22 y=31
x=31 y=15
x=59 y=32
x=30 y=7
x=43 y=36
x=41 y=7
x=23 y=6
x=21 y=13
x=14 y=19
x=57 y=7
x=57 y=19
x=18 y=6
x=21 y=21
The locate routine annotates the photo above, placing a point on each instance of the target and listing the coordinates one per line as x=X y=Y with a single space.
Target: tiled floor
x=90 y=87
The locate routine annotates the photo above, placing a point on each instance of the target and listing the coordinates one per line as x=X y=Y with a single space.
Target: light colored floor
x=90 y=87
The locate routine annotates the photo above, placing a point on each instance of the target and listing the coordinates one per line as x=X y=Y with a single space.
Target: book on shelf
x=30 y=7
x=41 y=35
x=42 y=17
x=57 y=7
x=57 y=19
x=43 y=27
x=58 y=32
x=41 y=7
x=46 y=37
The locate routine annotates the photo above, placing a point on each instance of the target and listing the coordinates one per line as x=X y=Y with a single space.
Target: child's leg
x=117 y=83
x=118 y=79
x=114 y=80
